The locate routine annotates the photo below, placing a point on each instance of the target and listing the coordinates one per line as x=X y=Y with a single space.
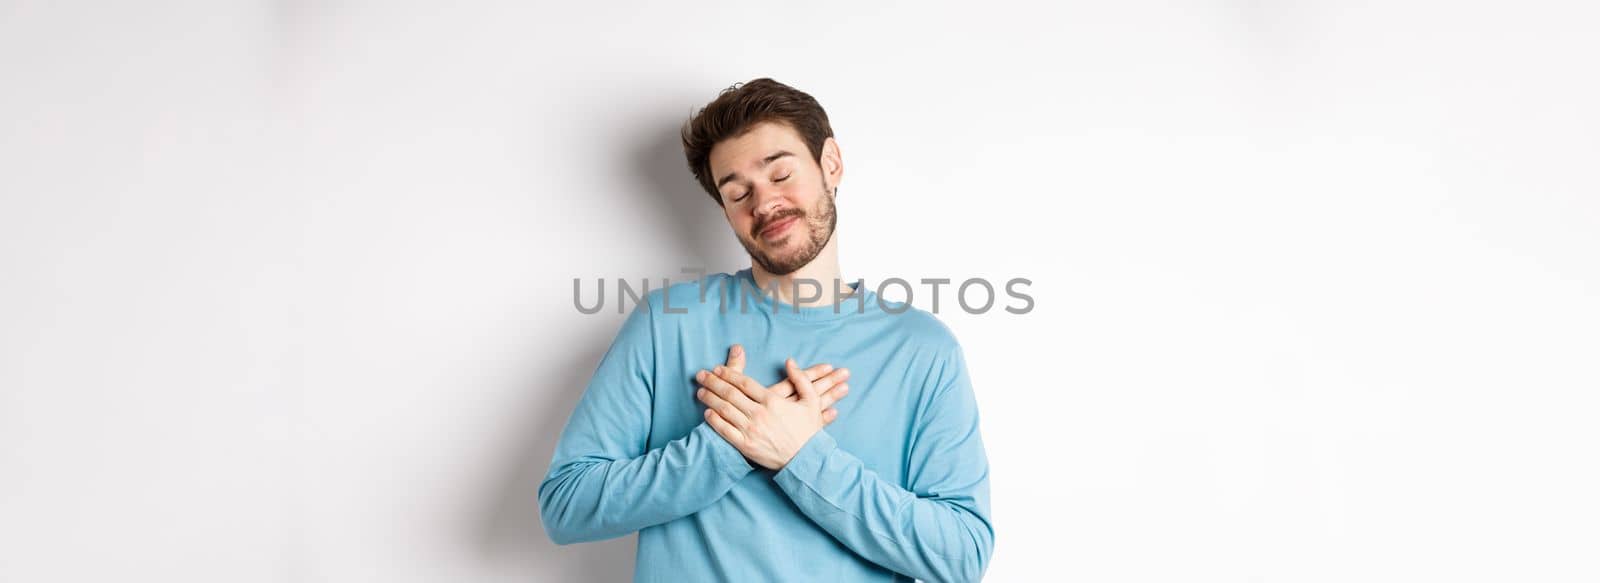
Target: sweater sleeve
x=602 y=482
x=938 y=530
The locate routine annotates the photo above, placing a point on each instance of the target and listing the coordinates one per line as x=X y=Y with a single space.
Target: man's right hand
x=829 y=382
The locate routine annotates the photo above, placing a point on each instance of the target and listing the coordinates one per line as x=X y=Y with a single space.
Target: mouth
x=778 y=228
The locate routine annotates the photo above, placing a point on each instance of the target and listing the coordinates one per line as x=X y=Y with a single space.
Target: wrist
x=807 y=464
x=788 y=454
x=819 y=444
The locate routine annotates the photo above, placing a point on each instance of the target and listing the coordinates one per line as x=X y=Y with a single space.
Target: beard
x=819 y=222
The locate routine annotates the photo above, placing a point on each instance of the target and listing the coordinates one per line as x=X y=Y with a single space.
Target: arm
x=602 y=482
x=939 y=530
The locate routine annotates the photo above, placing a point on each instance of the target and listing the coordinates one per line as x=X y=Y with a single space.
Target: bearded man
x=758 y=469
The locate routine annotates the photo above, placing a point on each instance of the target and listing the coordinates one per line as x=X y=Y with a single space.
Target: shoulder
x=941 y=378
x=935 y=356
x=924 y=330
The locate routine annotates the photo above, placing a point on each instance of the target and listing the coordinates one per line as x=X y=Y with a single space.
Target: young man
x=747 y=471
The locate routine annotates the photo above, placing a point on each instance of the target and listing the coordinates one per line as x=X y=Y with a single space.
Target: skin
x=765 y=426
x=769 y=425
x=761 y=192
x=829 y=382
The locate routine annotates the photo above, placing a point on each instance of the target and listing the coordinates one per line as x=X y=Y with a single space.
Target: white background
x=285 y=287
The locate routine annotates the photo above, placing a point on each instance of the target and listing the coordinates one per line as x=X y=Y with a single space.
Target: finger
x=736 y=357
x=784 y=388
x=725 y=429
x=818 y=370
x=729 y=413
x=753 y=389
x=827 y=399
x=750 y=387
x=829 y=380
x=802 y=385
x=727 y=391
x=828 y=415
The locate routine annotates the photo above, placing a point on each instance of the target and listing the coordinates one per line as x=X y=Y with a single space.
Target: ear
x=832 y=164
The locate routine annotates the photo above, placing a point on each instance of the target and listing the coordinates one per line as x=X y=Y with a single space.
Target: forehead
x=746 y=150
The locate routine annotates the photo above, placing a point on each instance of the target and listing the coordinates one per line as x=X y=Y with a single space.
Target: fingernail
x=738 y=350
x=700 y=394
x=717 y=370
x=700 y=376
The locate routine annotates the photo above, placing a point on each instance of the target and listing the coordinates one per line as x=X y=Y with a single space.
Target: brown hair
x=743 y=105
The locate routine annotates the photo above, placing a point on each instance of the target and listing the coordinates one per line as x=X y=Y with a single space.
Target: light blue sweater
x=896 y=487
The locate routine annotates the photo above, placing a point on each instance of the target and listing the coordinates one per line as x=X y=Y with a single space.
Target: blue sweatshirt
x=897 y=487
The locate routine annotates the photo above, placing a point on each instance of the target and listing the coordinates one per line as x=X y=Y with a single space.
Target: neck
x=823 y=270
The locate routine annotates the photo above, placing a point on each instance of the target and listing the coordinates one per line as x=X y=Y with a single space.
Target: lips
x=779 y=227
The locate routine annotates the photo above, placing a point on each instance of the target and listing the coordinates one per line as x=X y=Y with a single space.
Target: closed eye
x=746 y=194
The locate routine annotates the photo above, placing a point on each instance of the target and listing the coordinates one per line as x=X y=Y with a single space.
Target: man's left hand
x=766 y=428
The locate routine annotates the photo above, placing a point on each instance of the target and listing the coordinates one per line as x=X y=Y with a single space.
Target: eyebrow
x=764 y=161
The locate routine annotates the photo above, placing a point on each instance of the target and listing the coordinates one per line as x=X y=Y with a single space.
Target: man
x=758 y=470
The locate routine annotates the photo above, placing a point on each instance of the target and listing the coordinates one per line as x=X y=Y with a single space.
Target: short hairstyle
x=740 y=107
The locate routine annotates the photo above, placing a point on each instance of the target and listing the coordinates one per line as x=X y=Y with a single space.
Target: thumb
x=802 y=385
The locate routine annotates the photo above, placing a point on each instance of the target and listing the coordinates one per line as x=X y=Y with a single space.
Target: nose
x=766 y=201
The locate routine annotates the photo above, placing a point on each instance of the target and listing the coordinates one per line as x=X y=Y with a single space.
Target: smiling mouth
x=779 y=227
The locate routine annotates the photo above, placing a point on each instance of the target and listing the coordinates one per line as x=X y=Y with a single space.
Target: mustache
x=755 y=232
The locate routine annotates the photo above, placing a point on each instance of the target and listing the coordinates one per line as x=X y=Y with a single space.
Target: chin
x=772 y=247
x=793 y=238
